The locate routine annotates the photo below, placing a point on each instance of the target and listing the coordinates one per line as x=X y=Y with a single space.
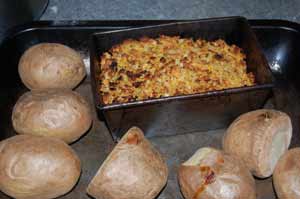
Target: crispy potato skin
x=59 y=113
x=218 y=175
x=286 y=177
x=133 y=170
x=51 y=65
x=36 y=167
x=250 y=137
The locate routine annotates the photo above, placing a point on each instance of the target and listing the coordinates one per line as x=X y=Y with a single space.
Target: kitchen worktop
x=170 y=9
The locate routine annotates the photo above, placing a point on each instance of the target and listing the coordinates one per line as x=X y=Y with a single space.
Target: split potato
x=286 y=177
x=51 y=65
x=134 y=169
x=59 y=113
x=213 y=174
x=259 y=138
x=36 y=167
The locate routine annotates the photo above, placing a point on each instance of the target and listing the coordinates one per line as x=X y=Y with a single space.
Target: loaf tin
x=184 y=113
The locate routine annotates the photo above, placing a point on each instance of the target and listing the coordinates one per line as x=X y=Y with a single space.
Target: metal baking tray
x=280 y=41
x=184 y=113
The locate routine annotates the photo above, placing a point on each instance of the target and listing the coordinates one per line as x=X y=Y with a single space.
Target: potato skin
x=286 y=177
x=133 y=170
x=59 y=113
x=51 y=65
x=217 y=175
x=251 y=135
x=36 y=167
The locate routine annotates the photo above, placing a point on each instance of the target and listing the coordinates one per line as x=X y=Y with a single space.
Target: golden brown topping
x=168 y=66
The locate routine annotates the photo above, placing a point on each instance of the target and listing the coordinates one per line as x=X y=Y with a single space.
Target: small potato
x=133 y=170
x=213 y=174
x=286 y=177
x=35 y=167
x=51 y=65
x=259 y=138
x=59 y=113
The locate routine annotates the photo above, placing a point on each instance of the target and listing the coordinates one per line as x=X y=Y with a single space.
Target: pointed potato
x=134 y=169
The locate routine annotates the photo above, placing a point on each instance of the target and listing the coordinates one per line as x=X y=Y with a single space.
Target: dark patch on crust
x=137 y=84
x=114 y=65
x=218 y=56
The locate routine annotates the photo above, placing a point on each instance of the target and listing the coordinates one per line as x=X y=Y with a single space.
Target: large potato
x=213 y=174
x=259 y=138
x=35 y=167
x=51 y=65
x=133 y=170
x=286 y=175
x=59 y=113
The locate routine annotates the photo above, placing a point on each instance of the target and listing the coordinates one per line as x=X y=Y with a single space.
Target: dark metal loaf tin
x=185 y=113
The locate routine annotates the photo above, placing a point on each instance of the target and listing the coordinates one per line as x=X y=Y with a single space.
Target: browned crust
x=34 y=167
x=207 y=179
x=51 y=65
x=59 y=113
x=168 y=66
x=134 y=169
x=250 y=137
x=286 y=177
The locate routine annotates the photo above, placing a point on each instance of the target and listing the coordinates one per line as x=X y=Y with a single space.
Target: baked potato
x=134 y=169
x=213 y=174
x=51 y=65
x=286 y=176
x=59 y=113
x=259 y=138
x=36 y=167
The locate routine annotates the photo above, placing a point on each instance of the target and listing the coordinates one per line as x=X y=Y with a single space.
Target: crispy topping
x=218 y=56
x=168 y=66
x=163 y=60
x=137 y=84
x=113 y=65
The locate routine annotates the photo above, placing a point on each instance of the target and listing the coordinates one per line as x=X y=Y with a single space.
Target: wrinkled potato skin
x=36 y=167
x=133 y=170
x=51 y=65
x=59 y=113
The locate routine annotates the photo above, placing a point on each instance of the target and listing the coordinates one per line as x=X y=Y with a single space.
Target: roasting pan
x=280 y=41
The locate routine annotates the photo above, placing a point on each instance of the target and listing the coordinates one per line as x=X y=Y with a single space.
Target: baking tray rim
x=127 y=23
x=216 y=93
x=171 y=23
